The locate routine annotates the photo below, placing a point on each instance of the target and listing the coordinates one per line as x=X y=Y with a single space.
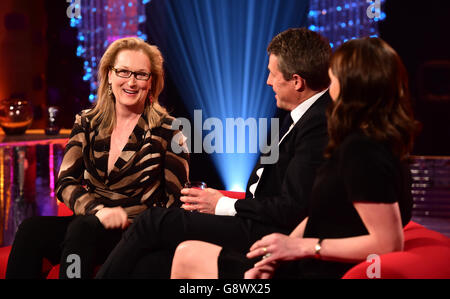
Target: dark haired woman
x=361 y=197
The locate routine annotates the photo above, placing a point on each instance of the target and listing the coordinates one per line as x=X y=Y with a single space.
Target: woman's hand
x=278 y=247
x=199 y=200
x=113 y=218
x=263 y=272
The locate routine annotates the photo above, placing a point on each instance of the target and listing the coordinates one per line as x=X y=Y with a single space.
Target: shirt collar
x=298 y=111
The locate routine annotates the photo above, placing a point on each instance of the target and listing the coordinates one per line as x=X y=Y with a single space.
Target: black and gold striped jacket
x=147 y=173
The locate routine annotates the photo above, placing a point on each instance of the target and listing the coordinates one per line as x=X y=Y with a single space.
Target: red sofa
x=426 y=255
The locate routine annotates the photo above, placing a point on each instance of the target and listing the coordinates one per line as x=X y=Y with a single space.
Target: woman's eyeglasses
x=122 y=73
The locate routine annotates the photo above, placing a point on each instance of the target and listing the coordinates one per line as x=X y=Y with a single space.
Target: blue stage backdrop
x=215 y=51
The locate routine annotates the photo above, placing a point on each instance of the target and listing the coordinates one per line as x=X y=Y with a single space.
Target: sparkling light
x=341 y=20
x=101 y=22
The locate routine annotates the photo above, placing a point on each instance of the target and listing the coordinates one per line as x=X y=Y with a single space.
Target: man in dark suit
x=277 y=194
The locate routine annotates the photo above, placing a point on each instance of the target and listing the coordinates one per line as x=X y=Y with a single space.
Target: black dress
x=360 y=170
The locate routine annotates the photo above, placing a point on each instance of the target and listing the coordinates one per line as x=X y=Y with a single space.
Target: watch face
x=317 y=248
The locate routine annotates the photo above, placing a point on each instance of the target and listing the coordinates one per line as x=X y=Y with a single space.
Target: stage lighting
x=215 y=52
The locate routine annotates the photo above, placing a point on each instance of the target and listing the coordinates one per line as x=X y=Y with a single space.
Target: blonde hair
x=103 y=113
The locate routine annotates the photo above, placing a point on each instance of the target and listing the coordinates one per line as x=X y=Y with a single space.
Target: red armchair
x=426 y=254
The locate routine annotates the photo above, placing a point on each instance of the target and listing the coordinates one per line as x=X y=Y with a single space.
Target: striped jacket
x=147 y=173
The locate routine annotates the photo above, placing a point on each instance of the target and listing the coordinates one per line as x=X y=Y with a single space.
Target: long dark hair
x=373 y=97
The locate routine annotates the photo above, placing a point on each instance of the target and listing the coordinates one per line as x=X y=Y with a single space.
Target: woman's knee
x=86 y=227
x=187 y=251
x=31 y=228
x=195 y=259
x=183 y=259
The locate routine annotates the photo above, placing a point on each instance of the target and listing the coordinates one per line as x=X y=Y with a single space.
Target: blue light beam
x=216 y=53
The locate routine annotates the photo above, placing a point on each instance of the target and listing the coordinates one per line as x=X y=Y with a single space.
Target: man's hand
x=113 y=218
x=201 y=200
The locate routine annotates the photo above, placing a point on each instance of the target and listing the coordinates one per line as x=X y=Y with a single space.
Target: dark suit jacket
x=279 y=206
x=282 y=194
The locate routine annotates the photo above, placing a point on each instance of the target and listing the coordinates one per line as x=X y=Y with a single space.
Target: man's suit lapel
x=254 y=177
x=323 y=100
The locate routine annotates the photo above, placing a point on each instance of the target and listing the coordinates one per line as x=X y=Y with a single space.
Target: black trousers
x=64 y=240
x=147 y=247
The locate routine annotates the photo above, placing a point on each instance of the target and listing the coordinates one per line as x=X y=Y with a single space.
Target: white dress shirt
x=225 y=205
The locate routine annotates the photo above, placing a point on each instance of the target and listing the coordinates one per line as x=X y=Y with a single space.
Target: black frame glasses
x=123 y=73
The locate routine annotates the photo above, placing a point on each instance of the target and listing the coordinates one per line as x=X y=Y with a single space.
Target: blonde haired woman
x=117 y=163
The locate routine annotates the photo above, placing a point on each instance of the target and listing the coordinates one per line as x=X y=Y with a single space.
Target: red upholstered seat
x=426 y=254
x=4 y=254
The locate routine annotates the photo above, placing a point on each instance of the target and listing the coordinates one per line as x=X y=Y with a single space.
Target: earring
x=110 y=92
x=149 y=98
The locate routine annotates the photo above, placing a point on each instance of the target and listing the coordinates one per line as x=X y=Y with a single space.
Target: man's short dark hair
x=305 y=53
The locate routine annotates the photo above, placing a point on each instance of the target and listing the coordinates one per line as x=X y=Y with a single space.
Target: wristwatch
x=317 y=248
